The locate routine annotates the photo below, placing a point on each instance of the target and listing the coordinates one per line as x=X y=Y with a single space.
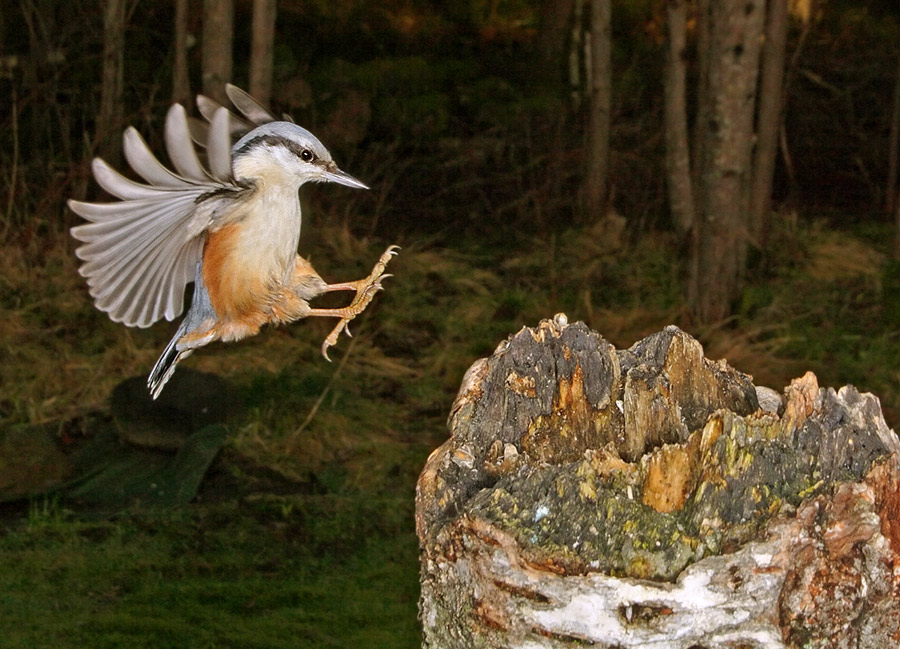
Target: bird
x=231 y=227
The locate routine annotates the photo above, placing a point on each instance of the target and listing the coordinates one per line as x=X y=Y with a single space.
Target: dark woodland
x=729 y=167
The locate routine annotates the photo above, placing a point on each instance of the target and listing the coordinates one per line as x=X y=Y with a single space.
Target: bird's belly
x=244 y=269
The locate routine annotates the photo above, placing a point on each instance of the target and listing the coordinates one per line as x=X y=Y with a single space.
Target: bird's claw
x=364 y=294
x=331 y=340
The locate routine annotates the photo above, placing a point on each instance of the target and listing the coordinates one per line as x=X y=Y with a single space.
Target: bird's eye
x=307 y=156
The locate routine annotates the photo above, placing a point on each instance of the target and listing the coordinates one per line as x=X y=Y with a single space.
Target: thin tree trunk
x=575 y=51
x=897 y=231
x=109 y=120
x=892 y=200
x=771 y=103
x=890 y=192
x=261 y=50
x=554 y=28
x=181 y=87
x=678 y=159
x=736 y=30
x=598 y=129
x=696 y=149
x=703 y=38
x=218 y=34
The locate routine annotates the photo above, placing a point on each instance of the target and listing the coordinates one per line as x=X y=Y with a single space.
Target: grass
x=303 y=533
x=311 y=571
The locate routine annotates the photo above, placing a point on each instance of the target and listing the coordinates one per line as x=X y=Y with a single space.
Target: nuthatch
x=232 y=229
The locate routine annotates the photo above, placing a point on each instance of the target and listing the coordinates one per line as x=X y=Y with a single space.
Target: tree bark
x=771 y=107
x=678 y=155
x=597 y=176
x=890 y=192
x=651 y=497
x=726 y=136
x=261 y=50
x=218 y=34
x=110 y=118
x=181 y=86
x=576 y=49
x=555 y=18
x=701 y=91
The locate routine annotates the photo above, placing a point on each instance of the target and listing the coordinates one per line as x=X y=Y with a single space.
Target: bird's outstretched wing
x=140 y=252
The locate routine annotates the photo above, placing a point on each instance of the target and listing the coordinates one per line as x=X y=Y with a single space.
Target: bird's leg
x=365 y=291
x=361 y=285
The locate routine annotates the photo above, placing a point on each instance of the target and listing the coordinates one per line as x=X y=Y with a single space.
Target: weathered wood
x=642 y=498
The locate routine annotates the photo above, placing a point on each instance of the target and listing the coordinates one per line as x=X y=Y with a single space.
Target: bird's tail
x=199 y=322
x=165 y=365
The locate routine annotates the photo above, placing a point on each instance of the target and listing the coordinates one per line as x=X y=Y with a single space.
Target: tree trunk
x=724 y=162
x=678 y=158
x=651 y=497
x=181 y=86
x=771 y=104
x=576 y=48
x=890 y=193
x=600 y=102
x=554 y=29
x=897 y=230
x=218 y=34
x=261 y=50
x=110 y=118
x=701 y=91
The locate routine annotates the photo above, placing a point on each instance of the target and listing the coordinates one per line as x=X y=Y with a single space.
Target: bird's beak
x=335 y=175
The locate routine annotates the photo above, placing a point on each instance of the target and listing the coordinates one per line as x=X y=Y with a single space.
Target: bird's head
x=282 y=152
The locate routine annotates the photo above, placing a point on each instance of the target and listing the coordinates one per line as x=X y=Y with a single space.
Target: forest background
x=730 y=167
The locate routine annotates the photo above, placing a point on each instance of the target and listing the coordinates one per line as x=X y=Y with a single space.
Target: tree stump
x=650 y=497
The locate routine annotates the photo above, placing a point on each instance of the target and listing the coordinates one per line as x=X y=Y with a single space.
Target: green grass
x=266 y=572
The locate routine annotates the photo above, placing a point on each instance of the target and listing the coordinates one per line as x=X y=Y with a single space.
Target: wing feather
x=140 y=256
x=120 y=186
x=208 y=108
x=145 y=164
x=139 y=253
x=218 y=147
x=199 y=131
x=178 y=144
x=142 y=288
x=249 y=107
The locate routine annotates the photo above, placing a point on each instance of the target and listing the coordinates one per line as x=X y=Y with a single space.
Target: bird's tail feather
x=199 y=322
x=165 y=365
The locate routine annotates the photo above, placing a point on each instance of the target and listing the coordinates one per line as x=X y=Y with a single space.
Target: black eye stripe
x=300 y=151
x=305 y=154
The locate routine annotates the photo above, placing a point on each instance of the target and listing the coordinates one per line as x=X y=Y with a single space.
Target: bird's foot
x=365 y=291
